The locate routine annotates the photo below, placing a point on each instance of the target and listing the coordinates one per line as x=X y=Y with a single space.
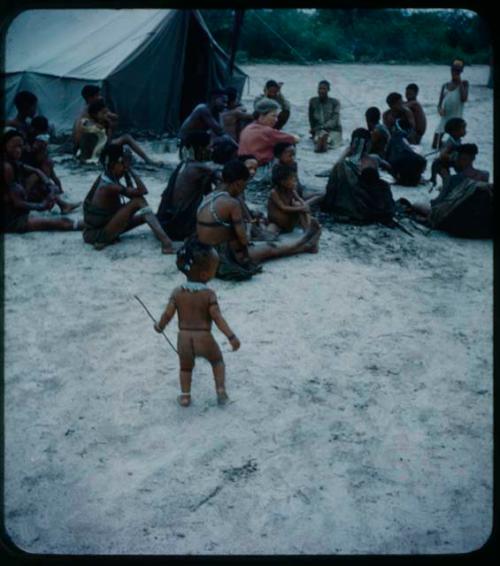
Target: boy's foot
x=99 y=246
x=184 y=399
x=222 y=397
x=167 y=249
x=155 y=163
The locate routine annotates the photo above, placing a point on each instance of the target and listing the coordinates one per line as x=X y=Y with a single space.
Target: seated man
x=193 y=178
x=235 y=117
x=407 y=165
x=26 y=104
x=90 y=93
x=272 y=90
x=220 y=223
x=354 y=191
x=397 y=110
x=324 y=119
x=105 y=216
x=379 y=133
x=96 y=134
x=206 y=118
x=16 y=204
x=418 y=114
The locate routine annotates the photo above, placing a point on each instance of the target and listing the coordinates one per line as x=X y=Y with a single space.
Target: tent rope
x=348 y=103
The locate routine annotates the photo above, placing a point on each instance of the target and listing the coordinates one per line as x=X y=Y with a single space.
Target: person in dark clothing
x=189 y=183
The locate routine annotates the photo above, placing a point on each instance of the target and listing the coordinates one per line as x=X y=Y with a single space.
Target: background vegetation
x=355 y=35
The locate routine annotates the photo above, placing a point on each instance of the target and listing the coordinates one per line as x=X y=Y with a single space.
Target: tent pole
x=237 y=23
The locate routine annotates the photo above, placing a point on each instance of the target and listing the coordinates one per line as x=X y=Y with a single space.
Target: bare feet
x=156 y=163
x=167 y=249
x=69 y=206
x=222 y=397
x=184 y=399
x=312 y=236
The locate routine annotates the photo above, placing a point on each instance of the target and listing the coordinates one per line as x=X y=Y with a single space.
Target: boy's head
x=456 y=127
x=26 y=103
x=394 y=101
x=90 y=93
x=284 y=177
x=411 y=91
x=457 y=68
x=218 y=99
x=198 y=141
x=466 y=154
x=39 y=133
x=250 y=162
x=285 y=152
x=223 y=151
x=98 y=110
x=372 y=116
x=235 y=175
x=197 y=261
x=323 y=89
x=271 y=89
x=115 y=160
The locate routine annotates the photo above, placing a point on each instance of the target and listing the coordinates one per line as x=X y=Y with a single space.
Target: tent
x=153 y=66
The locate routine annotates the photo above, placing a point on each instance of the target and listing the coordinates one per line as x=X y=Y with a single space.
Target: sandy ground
x=362 y=414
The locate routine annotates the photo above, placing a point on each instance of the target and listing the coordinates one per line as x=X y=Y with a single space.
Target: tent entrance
x=196 y=72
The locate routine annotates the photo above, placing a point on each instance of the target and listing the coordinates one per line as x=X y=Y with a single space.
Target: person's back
x=193 y=308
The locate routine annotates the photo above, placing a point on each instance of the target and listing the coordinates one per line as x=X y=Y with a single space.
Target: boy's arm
x=220 y=321
x=167 y=315
x=281 y=205
x=238 y=224
x=138 y=181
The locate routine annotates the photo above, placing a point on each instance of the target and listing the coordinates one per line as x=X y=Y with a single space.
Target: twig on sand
x=153 y=319
x=207 y=498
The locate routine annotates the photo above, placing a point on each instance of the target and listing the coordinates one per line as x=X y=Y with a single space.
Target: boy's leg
x=206 y=347
x=121 y=221
x=307 y=243
x=154 y=224
x=127 y=139
x=185 y=375
x=47 y=224
x=219 y=370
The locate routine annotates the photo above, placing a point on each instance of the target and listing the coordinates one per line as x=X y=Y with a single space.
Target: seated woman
x=17 y=207
x=407 y=165
x=464 y=206
x=260 y=137
x=38 y=157
x=193 y=178
x=95 y=133
x=104 y=214
x=220 y=223
x=354 y=191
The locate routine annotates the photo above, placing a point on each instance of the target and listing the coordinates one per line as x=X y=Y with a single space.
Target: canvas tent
x=153 y=66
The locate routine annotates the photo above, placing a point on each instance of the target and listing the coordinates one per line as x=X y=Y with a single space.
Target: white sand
x=362 y=420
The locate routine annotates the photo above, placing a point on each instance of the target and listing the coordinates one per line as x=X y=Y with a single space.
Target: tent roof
x=85 y=44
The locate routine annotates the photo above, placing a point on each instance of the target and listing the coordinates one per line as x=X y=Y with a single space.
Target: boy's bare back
x=193 y=309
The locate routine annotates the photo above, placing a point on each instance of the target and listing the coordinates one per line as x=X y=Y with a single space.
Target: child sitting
x=196 y=306
x=456 y=130
x=466 y=154
x=284 y=153
x=285 y=208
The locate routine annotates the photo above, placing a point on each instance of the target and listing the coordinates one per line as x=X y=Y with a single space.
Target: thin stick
x=153 y=319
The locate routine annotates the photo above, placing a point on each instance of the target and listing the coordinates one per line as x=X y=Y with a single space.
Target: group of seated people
x=226 y=152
